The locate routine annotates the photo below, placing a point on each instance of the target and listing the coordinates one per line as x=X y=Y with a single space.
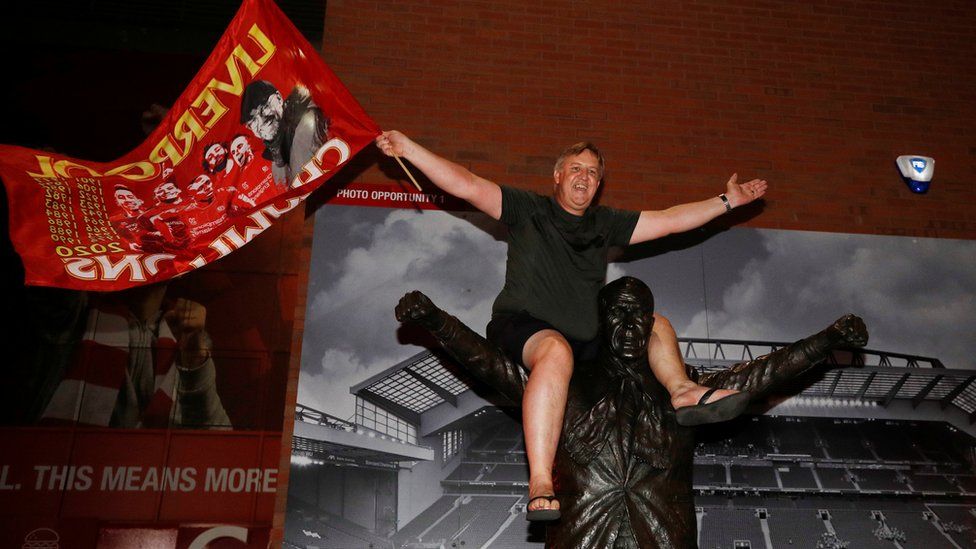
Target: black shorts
x=510 y=331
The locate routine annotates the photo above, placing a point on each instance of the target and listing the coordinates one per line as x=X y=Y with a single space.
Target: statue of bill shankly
x=623 y=468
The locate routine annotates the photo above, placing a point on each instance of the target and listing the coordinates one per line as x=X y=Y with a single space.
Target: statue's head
x=626 y=316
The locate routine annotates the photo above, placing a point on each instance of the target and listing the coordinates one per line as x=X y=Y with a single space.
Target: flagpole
x=410 y=175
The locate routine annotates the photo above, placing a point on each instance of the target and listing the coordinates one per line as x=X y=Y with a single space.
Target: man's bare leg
x=669 y=367
x=549 y=358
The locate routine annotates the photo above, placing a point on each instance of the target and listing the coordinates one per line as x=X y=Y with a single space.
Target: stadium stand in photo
x=794 y=528
x=876 y=453
x=710 y=474
x=798 y=477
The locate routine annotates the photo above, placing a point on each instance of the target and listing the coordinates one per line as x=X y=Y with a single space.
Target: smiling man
x=216 y=160
x=292 y=129
x=546 y=314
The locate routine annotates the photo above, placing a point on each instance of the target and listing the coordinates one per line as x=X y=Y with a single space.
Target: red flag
x=263 y=124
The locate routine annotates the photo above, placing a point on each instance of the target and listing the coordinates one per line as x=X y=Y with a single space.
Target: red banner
x=263 y=124
x=74 y=482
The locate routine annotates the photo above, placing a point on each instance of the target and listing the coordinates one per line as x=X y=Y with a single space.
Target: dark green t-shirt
x=557 y=262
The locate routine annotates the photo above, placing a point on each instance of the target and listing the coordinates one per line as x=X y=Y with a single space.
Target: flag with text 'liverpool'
x=263 y=124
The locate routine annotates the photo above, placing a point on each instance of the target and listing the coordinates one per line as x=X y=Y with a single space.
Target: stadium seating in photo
x=712 y=500
x=506 y=472
x=518 y=533
x=886 y=480
x=794 y=528
x=437 y=510
x=931 y=483
x=795 y=436
x=834 y=478
x=959 y=522
x=891 y=443
x=797 y=476
x=844 y=440
x=473 y=521
x=819 y=503
x=501 y=445
x=709 y=474
x=498 y=439
x=467 y=471
x=967 y=483
x=753 y=476
x=487 y=515
x=747 y=436
x=309 y=526
x=446 y=527
x=720 y=527
x=938 y=442
x=897 y=504
x=917 y=531
x=857 y=527
x=768 y=462
x=771 y=501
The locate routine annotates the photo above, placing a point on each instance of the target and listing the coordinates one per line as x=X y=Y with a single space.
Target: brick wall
x=817 y=97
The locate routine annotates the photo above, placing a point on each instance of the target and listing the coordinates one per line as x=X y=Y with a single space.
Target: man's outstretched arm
x=486 y=362
x=452 y=178
x=763 y=375
x=684 y=217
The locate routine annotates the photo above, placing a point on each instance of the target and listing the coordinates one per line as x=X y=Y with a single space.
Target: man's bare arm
x=684 y=217
x=452 y=178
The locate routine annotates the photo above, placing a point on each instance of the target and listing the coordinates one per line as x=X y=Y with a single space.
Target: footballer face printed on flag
x=262 y=125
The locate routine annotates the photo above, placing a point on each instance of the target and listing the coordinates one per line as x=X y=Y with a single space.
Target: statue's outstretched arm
x=485 y=361
x=764 y=374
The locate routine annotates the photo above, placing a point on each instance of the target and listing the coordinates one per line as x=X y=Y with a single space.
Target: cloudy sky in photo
x=917 y=296
x=364 y=260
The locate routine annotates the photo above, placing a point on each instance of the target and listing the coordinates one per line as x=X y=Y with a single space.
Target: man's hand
x=394 y=143
x=416 y=307
x=187 y=320
x=740 y=195
x=851 y=330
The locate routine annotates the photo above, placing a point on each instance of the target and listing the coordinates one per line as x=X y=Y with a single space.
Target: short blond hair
x=576 y=149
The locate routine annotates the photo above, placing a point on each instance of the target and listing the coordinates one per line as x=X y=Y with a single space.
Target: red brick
x=818 y=98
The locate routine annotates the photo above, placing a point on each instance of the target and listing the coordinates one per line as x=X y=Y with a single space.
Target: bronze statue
x=624 y=466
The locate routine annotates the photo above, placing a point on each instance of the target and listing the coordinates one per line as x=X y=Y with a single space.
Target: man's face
x=202 y=189
x=127 y=200
x=628 y=320
x=577 y=181
x=167 y=193
x=265 y=119
x=216 y=157
x=240 y=149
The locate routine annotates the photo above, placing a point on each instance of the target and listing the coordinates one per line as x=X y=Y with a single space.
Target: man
x=545 y=316
x=127 y=359
x=209 y=209
x=131 y=204
x=126 y=223
x=133 y=223
x=254 y=180
x=162 y=226
x=241 y=150
x=624 y=466
x=166 y=219
x=292 y=129
x=168 y=194
x=216 y=161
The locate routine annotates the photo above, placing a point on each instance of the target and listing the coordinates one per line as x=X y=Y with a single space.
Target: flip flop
x=542 y=515
x=713 y=412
